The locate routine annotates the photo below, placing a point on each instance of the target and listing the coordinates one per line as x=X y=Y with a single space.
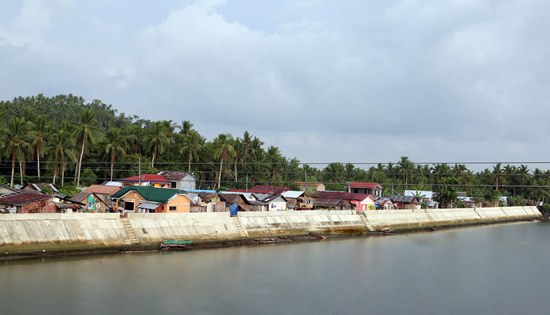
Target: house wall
x=131 y=196
x=369 y=205
x=304 y=203
x=182 y=204
x=188 y=182
x=277 y=206
x=42 y=206
x=99 y=204
x=376 y=192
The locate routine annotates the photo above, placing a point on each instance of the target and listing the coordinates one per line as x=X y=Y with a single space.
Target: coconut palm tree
x=39 y=130
x=17 y=138
x=497 y=175
x=132 y=141
x=191 y=146
x=255 y=164
x=85 y=134
x=156 y=140
x=114 y=146
x=223 y=150
x=186 y=127
x=61 y=149
x=405 y=169
x=274 y=161
x=242 y=150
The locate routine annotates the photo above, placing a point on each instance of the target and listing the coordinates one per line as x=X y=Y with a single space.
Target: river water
x=500 y=269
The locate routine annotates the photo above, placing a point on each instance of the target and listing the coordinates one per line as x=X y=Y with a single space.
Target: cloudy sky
x=348 y=81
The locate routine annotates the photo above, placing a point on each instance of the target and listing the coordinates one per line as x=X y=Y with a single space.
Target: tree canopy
x=65 y=140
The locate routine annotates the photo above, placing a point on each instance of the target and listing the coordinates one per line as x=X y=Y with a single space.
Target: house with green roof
x=147 y=199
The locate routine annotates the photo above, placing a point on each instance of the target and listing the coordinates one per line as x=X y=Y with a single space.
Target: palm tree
x=17 y=137
x=60 y=150
x=335 y=175
x=242 y=149
x=132 y=138
x=524 y=177
x=257 y=155
x=84 y=134
x=497 y=175
x=114 y=146
x=186 y=127
x=224 y=149
x=156 y=139
x=274 y=161
x=405 y=168
x=191 y=147
x=39 y=130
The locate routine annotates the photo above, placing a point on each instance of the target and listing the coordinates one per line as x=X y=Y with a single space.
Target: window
x=172 y=208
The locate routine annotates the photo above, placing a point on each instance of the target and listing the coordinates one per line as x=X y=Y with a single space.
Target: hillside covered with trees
x=70 y=142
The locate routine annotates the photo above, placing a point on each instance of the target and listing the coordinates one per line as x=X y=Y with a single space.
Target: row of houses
x=167 y=192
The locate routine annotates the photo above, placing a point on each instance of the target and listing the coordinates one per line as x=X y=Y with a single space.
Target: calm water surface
x=482 y=270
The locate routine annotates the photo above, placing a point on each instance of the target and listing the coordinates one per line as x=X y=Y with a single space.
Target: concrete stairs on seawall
x=366 y=222
x=130 y=231
x=242 y=232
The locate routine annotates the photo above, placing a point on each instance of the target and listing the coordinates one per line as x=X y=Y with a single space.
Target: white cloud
x=375 y=80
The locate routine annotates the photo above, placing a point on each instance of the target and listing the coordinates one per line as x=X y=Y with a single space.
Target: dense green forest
x=70 y=142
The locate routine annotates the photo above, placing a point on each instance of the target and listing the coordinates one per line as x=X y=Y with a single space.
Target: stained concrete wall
x=298 y=222
x=156 y=227
x=109 y=230
x=422 y=218
x=86 y=228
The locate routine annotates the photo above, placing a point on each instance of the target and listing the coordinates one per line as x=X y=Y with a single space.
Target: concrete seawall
x=32 y=232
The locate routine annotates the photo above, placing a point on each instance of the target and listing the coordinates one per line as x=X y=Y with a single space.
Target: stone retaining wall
x=300 y=222
x=109 y=230
x=156 y=227
x=44 y=228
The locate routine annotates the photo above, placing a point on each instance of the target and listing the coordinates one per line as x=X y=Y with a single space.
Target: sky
x=350 y=81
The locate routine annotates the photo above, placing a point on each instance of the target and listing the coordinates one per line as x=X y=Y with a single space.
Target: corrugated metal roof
x=269 y=189
x=341 y=195
x=273 y=197
x=24 y=198
x=419 y=193
x=293 y=194
x=102 y=189
x=174 y=175
x=363 y=185
x=149 y=193
x=322 y=202
x=149 y=205
x=81 y=196
x=146 y=178
x=403 y=199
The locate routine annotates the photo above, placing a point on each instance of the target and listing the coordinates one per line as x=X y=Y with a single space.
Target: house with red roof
x=180 y=180
x=153 y=180
x=360 y=202
x=373 y=189
x=269 y=190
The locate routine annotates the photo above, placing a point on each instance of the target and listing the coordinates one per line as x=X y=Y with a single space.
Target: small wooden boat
x=175 y=244
x=266 y=240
